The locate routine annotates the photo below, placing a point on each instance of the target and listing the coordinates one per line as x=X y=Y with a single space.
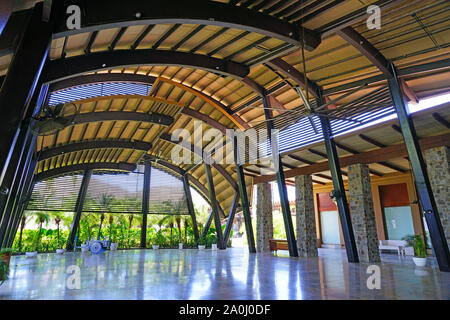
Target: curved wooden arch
x=101 y=78
x=165 y=137
x=164 y=119
x=181 y=172
x=238 y=121
x=64 y=170
x=95 y=144
x=135 y=12
x=121 y=116
x=60 y=69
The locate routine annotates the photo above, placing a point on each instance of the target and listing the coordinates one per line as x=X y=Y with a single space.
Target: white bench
x=398 y=245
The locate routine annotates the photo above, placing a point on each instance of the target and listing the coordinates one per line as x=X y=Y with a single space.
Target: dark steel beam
x=145 y=200
x=78 y=209
x=190 y=205
x=423 y=186
x=229 y=226
x=339 y=190
x=366 y=48
x=60 y=69
x=101 y=78
x=22 y=80
x=284 y=67
x=113 y=166
x=95 y=17
x=205 y=118
x=181 y=172
x=441 y=120
x=244 y=198
x=207 y=224
x=166 y=137
x=281 y=182
x=122 y=116
x=93 y=144
x=214 y=206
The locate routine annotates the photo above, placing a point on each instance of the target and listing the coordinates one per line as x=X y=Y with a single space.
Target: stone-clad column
x=438 y=166
x=362 y=213
x=264 y=219
x=305 y=218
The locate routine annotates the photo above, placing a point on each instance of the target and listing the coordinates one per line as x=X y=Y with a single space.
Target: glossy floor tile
x=230 y=274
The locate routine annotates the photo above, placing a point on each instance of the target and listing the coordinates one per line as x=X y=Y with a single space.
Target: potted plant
x=32 y=251
x=5 y=255
x=201 y=243
x=420 y=250
x=4 y=271
x=157 y=240
x=213 y=240
x=57 y=219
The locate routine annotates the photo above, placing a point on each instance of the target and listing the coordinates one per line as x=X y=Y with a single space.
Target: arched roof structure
x=210 y=60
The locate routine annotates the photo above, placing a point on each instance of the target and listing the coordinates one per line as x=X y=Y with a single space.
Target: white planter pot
x=214 y=246
x=155 y=246
x=84 y=248
x=31 y=254
x=60 y=251
x=201 y=247
x=180 y=246
x=113 y=246
x=420 y=262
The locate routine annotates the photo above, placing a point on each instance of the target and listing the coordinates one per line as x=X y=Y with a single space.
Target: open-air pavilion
x=150 y=101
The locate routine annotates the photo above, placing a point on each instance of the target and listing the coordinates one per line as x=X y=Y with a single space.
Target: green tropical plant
x=201 y=241
x=41 y=218
x=416 y=241
x=4 y=271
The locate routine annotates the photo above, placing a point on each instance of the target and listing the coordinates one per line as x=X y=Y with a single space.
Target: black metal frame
x=418 y=165
x=78 y=209
x=281 y=182
x=244 y=199
x=339 y=190
x=190 y=205
x=145 y=199
x=60 y=69
x=95 y=18
x=214 y=207
x=95 y=144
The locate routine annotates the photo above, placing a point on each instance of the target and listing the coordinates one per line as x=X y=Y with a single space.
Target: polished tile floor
x=230 y=274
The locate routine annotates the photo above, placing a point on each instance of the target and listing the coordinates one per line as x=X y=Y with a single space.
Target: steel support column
x=190 y=205
x=214 y=206
x=422 y=181
x=339 y=190
x=230 y=220
x=79 y=208
x=207 y=224
x=22 y=78
x=281 y=182
x=23 y=201
x=145 y=199
x=244 y=199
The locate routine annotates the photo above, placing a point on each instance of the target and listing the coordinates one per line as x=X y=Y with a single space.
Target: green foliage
x=418 y=244
x=4 y=271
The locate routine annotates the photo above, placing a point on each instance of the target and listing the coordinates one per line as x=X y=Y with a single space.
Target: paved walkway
x=230 y=274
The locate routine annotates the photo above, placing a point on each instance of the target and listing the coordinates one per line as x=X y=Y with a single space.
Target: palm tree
x=57 y=218
x=110 y=222
x=130 y=221
x=105 y=202
x=23 y=222
x=41 y=218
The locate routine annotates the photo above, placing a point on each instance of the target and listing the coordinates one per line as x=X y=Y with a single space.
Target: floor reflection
x=230 y=274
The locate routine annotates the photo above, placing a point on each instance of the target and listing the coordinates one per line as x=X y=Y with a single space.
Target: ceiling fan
x=51 y=119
